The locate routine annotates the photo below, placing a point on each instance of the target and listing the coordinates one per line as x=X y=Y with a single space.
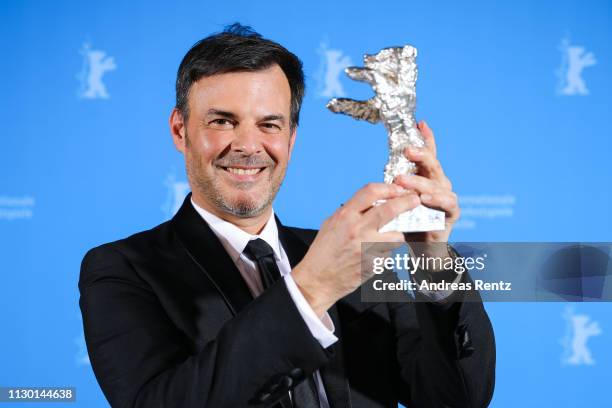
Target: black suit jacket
x=169 y=322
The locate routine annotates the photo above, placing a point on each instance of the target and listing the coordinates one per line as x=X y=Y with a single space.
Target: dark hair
x=238 y=48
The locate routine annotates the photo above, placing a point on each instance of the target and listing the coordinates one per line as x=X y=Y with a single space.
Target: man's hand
x=432 y=186
x=331 y=269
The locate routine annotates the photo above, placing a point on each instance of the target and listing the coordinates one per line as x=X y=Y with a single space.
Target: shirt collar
x=234 y=239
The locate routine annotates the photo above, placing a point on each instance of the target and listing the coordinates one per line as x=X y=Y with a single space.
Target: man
x=223 y=306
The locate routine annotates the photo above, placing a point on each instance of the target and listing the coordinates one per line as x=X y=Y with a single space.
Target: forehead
x=244 y=92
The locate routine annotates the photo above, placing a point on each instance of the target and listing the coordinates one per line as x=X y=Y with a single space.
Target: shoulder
x=306 y=235
x=141 y=241
x=119 y=257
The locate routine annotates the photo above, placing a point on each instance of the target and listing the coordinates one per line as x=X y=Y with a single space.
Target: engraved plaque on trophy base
x=420 y=219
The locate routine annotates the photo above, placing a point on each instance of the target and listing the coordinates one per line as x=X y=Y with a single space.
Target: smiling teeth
x=248 y=172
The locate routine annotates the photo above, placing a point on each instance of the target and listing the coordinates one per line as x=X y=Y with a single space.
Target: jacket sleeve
x=445 y=352
x=141 y=359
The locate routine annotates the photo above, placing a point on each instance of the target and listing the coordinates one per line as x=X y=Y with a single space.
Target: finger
x=370 y=193
x=426 y=162
x=380 y=215
x=428 y=136
x=420 y=184
x=393 y=239
x=444 y=201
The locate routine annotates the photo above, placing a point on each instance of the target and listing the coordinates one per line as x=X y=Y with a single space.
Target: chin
x=244 y=210
x=242 y=206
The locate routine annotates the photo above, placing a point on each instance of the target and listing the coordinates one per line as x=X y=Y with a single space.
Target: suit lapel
x=334 y=379
x=207 y=251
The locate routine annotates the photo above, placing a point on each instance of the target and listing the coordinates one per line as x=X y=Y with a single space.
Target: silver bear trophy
x=392 y=73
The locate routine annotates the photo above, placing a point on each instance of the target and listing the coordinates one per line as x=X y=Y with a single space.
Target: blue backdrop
x=518 y=94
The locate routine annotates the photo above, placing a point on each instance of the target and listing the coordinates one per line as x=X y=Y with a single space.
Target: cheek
x=209 y=146
x=279 y=151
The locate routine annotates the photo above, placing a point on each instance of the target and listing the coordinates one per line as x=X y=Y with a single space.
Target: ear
x=178 y=129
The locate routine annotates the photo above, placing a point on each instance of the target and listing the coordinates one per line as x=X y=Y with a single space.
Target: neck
x=252 y=225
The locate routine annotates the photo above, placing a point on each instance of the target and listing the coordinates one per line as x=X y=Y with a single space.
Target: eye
x=270 y=127
x=221 y=123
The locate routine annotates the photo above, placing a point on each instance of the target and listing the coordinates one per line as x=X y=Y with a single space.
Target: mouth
x=243 y=173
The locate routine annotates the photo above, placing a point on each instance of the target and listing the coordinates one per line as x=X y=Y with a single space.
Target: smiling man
x=223 y=306
x=237 y=133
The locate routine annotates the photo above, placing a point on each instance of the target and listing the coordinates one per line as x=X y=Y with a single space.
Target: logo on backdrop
x=482 y=207
x=332 y=65
x=580 y=328
x=14 y=208
x=95 y=65
x=574 y=59
x=176 y=192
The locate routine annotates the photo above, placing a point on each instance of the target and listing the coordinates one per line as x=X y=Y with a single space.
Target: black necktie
x=305 y=394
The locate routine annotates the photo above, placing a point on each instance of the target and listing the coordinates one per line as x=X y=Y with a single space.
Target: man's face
x=238 y=140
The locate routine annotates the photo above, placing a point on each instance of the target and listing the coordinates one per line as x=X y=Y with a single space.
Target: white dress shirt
x=235 y=240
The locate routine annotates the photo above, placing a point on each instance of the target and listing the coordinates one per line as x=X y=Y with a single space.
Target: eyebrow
x=231 y=115
x=218 y=112
x=277 y=117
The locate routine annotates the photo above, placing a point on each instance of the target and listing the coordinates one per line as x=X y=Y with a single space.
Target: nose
x=247 y=140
